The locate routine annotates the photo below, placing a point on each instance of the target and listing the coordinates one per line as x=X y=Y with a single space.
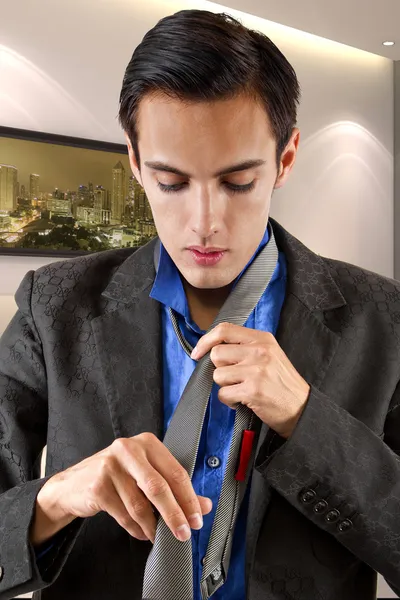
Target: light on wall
x=388 y=43
x=288 y=38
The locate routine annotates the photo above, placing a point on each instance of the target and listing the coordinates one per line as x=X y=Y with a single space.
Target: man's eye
x=177 y=187
x=240 y=189
x=233 y=187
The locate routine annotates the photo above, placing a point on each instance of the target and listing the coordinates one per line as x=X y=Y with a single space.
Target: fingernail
x=183 y=533
x=194 y=353
x=196 y=521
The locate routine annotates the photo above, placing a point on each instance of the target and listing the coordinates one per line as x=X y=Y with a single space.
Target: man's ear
x=288 y=159
x=133 y=160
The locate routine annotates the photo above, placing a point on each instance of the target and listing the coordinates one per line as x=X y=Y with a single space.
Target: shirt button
x=213 y=462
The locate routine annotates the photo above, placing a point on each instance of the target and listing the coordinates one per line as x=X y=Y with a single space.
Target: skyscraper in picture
x=34 y=186
x=118 y=193
x=8 y=187
x=101 y=212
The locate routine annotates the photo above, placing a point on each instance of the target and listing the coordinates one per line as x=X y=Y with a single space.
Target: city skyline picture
x=61 y=196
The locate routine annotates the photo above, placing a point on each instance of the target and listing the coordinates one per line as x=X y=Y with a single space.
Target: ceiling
x=364 y=24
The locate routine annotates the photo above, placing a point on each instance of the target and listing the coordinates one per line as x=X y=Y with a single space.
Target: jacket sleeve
x=334 y=460
x=23 y=432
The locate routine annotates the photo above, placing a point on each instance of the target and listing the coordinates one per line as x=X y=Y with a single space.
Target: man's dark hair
x=197 y=55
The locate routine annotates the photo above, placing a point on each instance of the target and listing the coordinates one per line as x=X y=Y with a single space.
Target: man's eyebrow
x=243 y=166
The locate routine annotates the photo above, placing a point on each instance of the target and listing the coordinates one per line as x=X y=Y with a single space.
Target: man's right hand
x=128 y=480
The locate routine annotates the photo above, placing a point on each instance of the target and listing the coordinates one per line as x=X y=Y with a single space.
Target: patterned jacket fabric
x=80 y=365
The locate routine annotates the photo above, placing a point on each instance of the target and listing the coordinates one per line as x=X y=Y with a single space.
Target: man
x=99 y=354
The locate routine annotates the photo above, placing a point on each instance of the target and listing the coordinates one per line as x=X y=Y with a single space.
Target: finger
x=136 y=503
x=112 y=504
x=224 y=333
x=205 y=505
x=245 y=354
x=230 y=375
x=228 y=354
x=180 y=485
x=156 y=488
x=234 y=395
x=153 y=467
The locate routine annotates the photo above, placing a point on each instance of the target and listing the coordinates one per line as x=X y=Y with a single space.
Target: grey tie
x=169 y=568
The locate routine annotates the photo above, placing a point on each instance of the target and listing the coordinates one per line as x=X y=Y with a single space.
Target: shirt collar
x=168 y=288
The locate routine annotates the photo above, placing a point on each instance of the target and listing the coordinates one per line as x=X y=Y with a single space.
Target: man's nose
x=204 y=214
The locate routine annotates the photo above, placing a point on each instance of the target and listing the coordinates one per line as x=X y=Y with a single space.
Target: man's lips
x=209 y=250
x=206 y=257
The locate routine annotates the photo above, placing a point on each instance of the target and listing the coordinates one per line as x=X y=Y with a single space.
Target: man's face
x=209 y=170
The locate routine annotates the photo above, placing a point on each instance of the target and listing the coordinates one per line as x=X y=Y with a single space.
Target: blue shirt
x=218 y=424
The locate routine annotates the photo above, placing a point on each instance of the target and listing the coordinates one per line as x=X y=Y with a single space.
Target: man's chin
x=206 y=281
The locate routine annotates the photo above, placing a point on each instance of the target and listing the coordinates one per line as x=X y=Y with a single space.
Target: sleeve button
x=308 y=496
x=345 y=525
x=332 y=516
x=321 y=506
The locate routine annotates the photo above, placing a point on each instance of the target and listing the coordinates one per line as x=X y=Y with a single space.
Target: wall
x=397 y=169
x=65 y=78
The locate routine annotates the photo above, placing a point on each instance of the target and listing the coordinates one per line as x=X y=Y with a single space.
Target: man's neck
x=204 y=305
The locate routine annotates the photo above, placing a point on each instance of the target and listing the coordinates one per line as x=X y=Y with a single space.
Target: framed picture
x=64 y=196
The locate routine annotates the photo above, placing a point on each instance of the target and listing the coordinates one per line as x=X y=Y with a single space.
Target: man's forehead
x=235 y=129
x=156 y=107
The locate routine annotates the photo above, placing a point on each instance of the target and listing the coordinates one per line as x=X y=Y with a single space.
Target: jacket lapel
x=307 y=342
x=128 y=340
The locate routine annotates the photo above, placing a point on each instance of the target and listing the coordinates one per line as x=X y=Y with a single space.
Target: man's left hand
x=252 y=369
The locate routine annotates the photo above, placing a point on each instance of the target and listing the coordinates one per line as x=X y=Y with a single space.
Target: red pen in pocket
x=245 y=454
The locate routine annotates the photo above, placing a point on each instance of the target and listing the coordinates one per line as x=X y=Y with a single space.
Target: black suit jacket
x=80 y=365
